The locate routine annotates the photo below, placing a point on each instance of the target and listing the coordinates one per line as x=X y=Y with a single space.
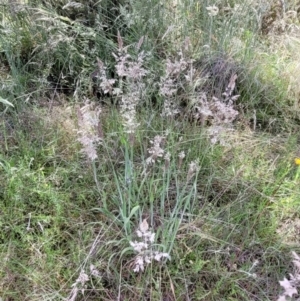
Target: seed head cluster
x=291 y=286
x=145 y=248
x=89 y=130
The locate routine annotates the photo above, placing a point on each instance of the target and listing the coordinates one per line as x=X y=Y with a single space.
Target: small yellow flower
x=297 y=161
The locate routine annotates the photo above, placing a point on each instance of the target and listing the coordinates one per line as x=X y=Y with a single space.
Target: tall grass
x=149 y=151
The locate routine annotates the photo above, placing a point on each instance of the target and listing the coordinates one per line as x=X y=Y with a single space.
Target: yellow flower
x=297 y=161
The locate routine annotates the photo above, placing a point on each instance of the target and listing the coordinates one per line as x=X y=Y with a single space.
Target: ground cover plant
x=149 y=150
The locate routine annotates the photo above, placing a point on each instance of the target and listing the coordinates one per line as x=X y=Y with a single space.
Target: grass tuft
x=149 y=150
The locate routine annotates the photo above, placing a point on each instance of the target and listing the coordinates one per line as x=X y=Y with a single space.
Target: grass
x=85 y=175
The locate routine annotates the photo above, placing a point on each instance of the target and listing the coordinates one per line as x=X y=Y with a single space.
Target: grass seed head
x=89 y=130
x=145 y=248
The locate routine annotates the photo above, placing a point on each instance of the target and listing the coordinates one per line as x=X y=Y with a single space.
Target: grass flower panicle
x=89 y=130
x=219 y=112
x=212 y=10
x=106 y=84
x=156 y=150
x=181 y=156
x=173 y=69
x=78 y=285
x=168 y=88
x=291 y=286
x=130 y=85
x=94 y=271
x=167 y=158
x=193 y=169
x=145 y=248
x=169 y=85
x=126 y=66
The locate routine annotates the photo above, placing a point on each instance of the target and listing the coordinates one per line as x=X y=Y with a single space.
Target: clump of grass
x=190 y=206
x=152 y=185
